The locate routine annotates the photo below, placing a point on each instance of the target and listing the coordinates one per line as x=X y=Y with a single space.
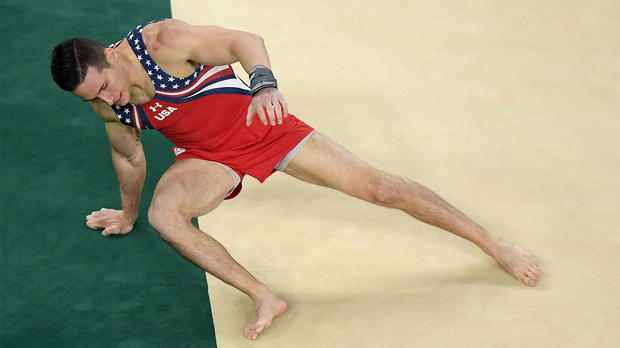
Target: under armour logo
x=154 y=108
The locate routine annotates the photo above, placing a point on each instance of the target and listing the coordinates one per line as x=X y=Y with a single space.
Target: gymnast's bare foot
x=516 y=260
x=265 y=310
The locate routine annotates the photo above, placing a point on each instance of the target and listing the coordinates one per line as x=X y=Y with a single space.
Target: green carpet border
x=63 y=284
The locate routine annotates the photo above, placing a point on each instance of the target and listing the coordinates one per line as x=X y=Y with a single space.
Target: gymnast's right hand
x=111 y=220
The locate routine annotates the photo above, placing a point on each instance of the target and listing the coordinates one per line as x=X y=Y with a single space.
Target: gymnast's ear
x=111 y=54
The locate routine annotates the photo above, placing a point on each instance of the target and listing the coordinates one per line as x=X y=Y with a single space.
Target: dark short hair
x=71 y=59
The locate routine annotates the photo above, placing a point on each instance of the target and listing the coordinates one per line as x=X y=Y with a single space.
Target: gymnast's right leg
x=194 y=187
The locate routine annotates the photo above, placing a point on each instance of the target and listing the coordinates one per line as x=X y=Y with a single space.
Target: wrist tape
x=261 y=77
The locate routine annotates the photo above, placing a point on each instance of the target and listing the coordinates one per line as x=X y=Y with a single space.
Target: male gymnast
x=176 y=78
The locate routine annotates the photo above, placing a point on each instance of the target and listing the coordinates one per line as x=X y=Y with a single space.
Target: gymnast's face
x=110 y=85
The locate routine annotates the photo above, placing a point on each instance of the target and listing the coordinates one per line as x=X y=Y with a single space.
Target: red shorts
x=253 y=150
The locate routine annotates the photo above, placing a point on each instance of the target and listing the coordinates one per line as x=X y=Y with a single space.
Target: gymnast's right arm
x=130 y=165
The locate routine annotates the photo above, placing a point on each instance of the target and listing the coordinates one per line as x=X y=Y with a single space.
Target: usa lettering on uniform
x=165 y=113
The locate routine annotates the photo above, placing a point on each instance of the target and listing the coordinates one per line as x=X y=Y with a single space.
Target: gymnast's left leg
x=323 y=162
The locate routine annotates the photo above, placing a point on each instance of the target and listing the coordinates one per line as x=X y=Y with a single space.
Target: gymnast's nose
x=106 y=97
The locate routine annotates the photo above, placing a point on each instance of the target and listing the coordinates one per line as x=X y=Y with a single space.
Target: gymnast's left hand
x=270 y=106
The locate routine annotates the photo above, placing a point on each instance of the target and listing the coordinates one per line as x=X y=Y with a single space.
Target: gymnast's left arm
x=212 y=45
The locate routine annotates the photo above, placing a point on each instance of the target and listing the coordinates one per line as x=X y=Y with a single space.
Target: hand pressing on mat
x=111 y=220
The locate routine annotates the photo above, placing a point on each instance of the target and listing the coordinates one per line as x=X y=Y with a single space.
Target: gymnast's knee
x=167 y=219
x=387 y=190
